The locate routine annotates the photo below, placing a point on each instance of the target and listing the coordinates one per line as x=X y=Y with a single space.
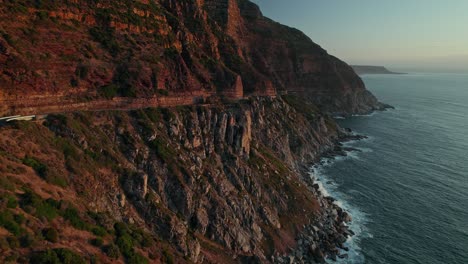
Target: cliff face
x=79 y=51
x=205 y=184
x=204 y=180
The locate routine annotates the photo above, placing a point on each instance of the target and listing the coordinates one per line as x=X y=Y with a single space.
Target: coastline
x=326 y=237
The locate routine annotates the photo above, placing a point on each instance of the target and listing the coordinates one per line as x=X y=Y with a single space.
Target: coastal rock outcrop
x=209 y=184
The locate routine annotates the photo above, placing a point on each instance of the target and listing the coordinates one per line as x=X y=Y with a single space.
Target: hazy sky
x=418 y=34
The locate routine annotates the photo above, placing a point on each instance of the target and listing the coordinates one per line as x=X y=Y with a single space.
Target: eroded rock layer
x=65 y=52
x=214 y=184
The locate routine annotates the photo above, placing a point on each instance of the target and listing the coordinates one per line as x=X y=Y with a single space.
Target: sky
x=425 y=35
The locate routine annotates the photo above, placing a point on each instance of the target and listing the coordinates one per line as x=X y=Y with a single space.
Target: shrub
x=12 y=202
x=68 y=256
x=58 y=255
x=43 y=208
x=46 y=210
x=13 y=242
x=171 y=53
x=27 y=240
x=7 y=221
x=136 y=258
x=74 y=82
x=38 y=167
x=168 y=257
x=125 y=244
x=162 y=92
x=82 y=71
x=71 y=214
x=48 y=256
x=97 y=242
x=109 y=91
x=20 y=219
x=50 y=234
x=120 y=229
x=112 y=251
x=146 y=241
x=106 y=37
x=162 y=150
x=99 y=231
x=153 y=114
x=42 y=15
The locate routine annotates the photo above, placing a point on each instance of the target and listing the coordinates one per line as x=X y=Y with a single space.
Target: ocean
x=407 y=186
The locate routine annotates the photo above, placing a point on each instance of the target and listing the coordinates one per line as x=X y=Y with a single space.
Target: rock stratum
x=55 y=54
x=224 y=111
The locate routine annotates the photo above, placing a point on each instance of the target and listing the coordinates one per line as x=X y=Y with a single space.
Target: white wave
x=366 y=115
x=328 y=187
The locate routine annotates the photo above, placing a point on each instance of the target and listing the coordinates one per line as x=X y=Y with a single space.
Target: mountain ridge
x=367 y=69
x=80 y=51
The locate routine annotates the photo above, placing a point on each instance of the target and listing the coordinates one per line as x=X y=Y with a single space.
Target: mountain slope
x=192 y=184
x=216 y=174
x=59 y=53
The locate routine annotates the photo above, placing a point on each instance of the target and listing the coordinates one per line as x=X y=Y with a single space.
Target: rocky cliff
x=55 y=53
x=214 y=175
x=212 y=184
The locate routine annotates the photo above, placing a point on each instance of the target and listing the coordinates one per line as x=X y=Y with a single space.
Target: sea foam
x=329 y=187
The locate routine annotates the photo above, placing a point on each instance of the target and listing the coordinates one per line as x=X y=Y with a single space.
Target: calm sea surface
x=407 y=188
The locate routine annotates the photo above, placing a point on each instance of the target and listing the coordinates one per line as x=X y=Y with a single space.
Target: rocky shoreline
x=325 y=236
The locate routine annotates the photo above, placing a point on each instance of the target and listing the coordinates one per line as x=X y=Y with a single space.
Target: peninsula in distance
x=366 y=69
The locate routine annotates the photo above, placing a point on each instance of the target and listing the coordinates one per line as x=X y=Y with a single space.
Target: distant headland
x=365 y=69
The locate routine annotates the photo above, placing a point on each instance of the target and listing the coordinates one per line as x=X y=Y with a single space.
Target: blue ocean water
x=407 y=188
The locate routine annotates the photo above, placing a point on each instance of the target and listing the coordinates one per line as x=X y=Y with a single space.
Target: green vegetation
x=302 y=106
x=109 y=91
x=82 y=71
x=127 y=238
x=153 y=114
x=99 y=231
x=7 y=38
x=162 y=92
x=168 y=257
x=11 y=201
x=171 y=53
x=57 y=255
x=71 y=214
x=42 y=15
x=279 y=165
x=112 y=251
x=32 y=203
x=50 y=234
x=162 y=149
x=38 y=167
x=27 y=240
x=7 y=221
x=42 y=170
x=106 y=37
x=97 y=242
